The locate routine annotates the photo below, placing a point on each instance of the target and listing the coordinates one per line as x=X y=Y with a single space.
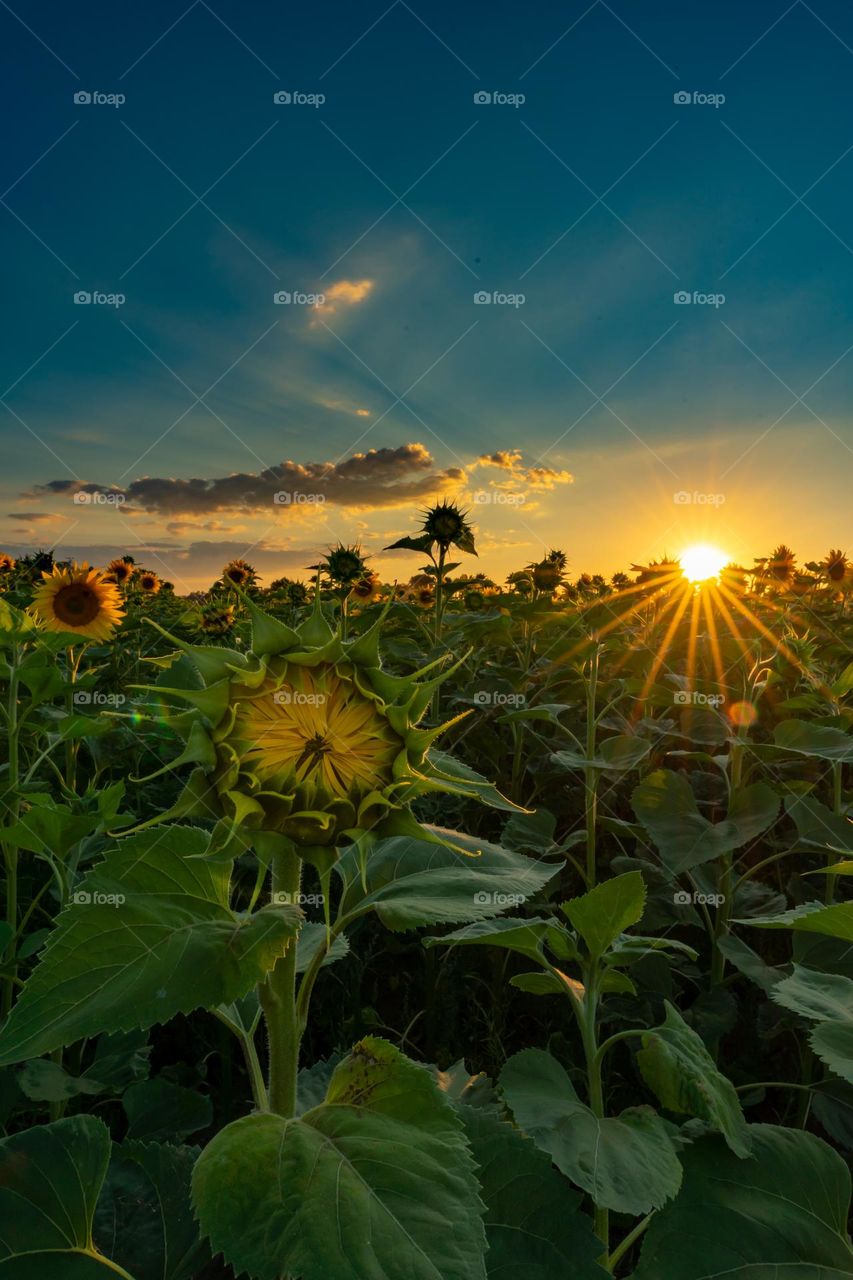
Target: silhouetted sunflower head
x=344 y=565
x=79 y=600
x=835 y=566
x=238 y=573
x=447 y=525
x=781 y=564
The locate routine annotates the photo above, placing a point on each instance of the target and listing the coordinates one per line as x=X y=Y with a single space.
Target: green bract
x=305 y=736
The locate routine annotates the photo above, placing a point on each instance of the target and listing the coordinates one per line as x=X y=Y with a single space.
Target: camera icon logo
x=82 y=97
x=81 y=897
x=82 y=499
x=482 y=898
x=682 y=898
x=482 y=98
x=282 y=97
x=681 y=98
x=282 y=498
x=682 y=698
x=682 y=498
x=283 y=697
x=482 y=698
x=82 y=297
x=282 y=298
x=681 y=298
x=482 y=298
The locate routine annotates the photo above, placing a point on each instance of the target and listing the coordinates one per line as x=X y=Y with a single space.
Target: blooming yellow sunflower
x=238 y=573
x=366 y=589
x=120 y=571
x=217 y=620
x=149 y=582
x=78 y=599
x=7 y=563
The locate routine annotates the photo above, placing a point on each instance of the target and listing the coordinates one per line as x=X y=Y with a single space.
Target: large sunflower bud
x=305 y=736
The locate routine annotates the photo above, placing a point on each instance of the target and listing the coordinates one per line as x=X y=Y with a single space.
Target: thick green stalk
x=10 y=854
x=837 y=805
x=591 y=774
x=725 y=883
x=278 y=1000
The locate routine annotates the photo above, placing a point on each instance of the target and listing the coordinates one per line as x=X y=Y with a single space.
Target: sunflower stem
x=10 y=854
x=278 y=999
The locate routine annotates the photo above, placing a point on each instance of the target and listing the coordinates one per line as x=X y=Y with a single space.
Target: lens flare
x=702 y=562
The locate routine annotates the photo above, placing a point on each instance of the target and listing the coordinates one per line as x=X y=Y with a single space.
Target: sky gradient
x=598 y=414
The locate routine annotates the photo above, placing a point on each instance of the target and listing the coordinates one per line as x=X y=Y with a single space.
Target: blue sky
x=570 y=418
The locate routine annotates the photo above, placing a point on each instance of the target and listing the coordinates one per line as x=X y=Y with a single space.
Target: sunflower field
x=442 y=929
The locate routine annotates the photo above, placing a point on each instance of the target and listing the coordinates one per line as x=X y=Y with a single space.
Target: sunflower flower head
x=305 y=737
x=217 y=619
x=366 y=589
x=148 y=582
x=547 y=575
x=121 y=570
x=447 y=525
x=78 y=600
x=343 y=565
x=239 y=573
x=781 y=564
x=835 y=566
x=7 y=563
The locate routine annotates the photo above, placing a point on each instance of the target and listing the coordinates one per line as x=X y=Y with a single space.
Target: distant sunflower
x=217 y=620
x=835 y=566
x=781 y=564
x=547 y=574
x=78 y=599
x=239 y=573
x=446 y=525
x=7 y=563
x=344 y=565
x=120 y=571
x=148 y=581
x=367 y=589
x=423 y=596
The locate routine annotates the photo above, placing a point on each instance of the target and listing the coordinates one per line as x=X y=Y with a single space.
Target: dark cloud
x=377 y=478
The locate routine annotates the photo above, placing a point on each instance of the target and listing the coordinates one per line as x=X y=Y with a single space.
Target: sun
x=702 y=562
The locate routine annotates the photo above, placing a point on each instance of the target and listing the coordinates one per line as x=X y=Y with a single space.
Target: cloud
x=536 y=477
x=29 y=517
x=340 y=295
x=378 y=478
